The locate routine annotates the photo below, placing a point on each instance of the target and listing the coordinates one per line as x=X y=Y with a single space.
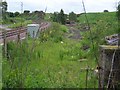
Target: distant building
x=32 y=30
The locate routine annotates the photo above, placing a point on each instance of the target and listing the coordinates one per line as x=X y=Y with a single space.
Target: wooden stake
x=86 y=76
x=5 y=44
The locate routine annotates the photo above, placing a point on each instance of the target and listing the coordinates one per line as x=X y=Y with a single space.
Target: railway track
x=12 y=35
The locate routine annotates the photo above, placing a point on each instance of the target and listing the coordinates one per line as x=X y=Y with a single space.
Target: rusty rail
x=12 y=32
x=19 y=31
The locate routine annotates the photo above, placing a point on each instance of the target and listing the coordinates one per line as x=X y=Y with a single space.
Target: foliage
x=40 y=14
x=11 y=14
x=101 y=25
x=106 y=11
x=48 y=62
x=55 y=17
x=3 y=8
x=48 y=17
x=16 y=14
x=3 y=5
x=54 y=61
x=54 y=33
x=16 y=25
x=59 y=17
x=72 y=16
x=26 y=11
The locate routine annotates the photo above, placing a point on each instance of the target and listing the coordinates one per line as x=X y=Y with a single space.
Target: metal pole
x=21 y=22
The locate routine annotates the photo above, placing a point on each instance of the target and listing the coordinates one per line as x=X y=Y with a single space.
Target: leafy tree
x=16 y=14
x=40 y=14
x=3 y=8
x=11 y=14
x=26 y=12
x=61 y=17
x=106 y=11
x=72 y=16
x=36 y=12
x=55 y=17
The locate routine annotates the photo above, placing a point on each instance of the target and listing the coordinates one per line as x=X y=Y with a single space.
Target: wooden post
x=106 y=63
x=18 y=36
x=86 y=76
x=5 y=43
x=118 y=38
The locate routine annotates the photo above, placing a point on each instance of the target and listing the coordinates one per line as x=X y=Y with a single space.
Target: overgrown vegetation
x=53 y=62
x=19 y=24
x=101 y=25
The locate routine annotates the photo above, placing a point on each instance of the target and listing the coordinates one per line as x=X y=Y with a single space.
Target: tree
x=55 y=17
x=72 y=16
x=26 y=11
x=61 y=17
x=3 y=6
x=36 y=12
x=11 y=14
x=106 y=11
x=16 y=14
x=40 y=14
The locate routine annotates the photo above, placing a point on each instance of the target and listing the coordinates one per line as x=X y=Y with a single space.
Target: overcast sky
x=66 y=5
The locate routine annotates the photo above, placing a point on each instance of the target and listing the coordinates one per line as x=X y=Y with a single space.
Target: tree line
x=61 y=17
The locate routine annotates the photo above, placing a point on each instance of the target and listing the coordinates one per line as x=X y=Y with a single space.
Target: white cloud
x=67 y=5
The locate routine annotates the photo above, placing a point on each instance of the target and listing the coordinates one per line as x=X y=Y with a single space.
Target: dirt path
x=73 y=33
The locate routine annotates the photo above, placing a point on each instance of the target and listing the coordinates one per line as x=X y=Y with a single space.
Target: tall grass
x=55 y=61
x=101 y=25
x=50 y=64
x=19 y=24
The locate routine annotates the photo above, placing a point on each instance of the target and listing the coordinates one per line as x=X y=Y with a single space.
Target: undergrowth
x=53 y=61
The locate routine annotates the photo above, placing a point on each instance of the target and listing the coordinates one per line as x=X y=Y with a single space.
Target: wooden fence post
x=18 y=32
x=107 y=65
x=5 y=43
x=86 y=76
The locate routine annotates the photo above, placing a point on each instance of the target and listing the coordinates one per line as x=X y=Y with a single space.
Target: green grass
x=19 y=24
x=47 y=68
x=105 y=21
x=51 y=64
x=94 y=17
x=54 y=60
x=101 y=25
x=48 y=16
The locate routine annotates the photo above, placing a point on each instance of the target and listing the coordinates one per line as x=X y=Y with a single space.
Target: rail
x=14 y=33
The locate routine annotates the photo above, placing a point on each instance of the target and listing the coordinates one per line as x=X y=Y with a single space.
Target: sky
x=67 y=5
